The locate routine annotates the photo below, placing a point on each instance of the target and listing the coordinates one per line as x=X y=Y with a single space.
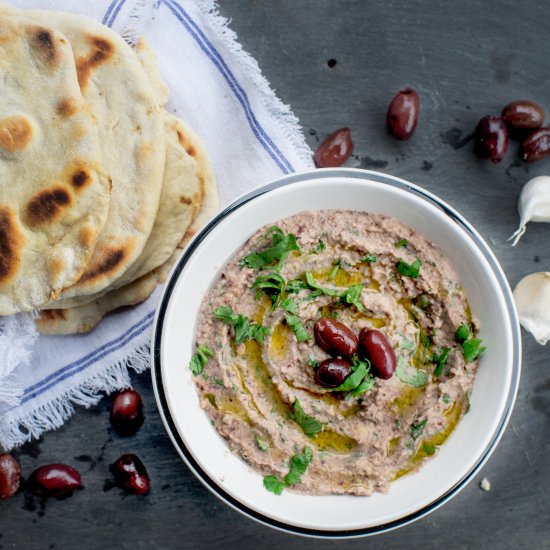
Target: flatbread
x=54 y=197
x=180 y=200
x=131 y=130
x=85 y=317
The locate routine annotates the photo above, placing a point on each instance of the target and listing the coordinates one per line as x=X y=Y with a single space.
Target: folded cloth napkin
x=251 y=137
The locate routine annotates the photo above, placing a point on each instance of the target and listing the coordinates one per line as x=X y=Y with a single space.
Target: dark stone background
x=466 y=59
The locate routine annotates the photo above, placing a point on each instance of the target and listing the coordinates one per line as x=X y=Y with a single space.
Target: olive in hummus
x=336 y=352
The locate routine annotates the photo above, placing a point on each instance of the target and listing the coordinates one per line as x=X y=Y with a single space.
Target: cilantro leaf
x=354 y=380
x=321 y=245
x=408 y=344
x=423 y=301
x=280 y=248
x=429 y=449
x=290 y=307
x=309 y=425
x=312 y=362
x=293 y=287
x=312 y=283
x=273 y=485
x=441 y=361
x=410 y=376
x=244 y=329
x=261 y=443
x=409 y=270
x=272 y=285
x=298 y=466
x=353 y=296
x=425 y=339
x=472 y=349
x=402 y=243
x=334 y=271
x=462 y=333
x=366 y=385
x=418 y=428
x=199 y=359
x=446 y=398
x=368 y=259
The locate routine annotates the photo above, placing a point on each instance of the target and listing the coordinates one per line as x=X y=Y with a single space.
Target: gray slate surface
x=466 y=59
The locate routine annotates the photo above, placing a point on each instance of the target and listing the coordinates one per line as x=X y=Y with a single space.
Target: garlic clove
x=533 y=204
x=532 y=297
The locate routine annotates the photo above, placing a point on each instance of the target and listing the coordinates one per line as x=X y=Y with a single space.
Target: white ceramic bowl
x=410 y=497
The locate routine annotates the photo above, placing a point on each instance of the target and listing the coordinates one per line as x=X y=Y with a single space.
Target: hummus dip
x=257 y=354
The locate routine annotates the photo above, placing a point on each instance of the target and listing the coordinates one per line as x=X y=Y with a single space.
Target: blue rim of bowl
x=156 y=345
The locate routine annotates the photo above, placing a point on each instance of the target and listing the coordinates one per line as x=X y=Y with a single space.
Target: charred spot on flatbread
x=67 y=107
x=15 y=133
x=46 y=206
x=80 y=178
x=45 y=45
x=52 y=315
x=100 y=51
x=11 y=243
x=108 y=262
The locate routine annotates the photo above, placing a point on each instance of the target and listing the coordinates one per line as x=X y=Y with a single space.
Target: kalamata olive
x=335 y=337
x=335 y=149
x=10 y=475
x=332 y=372
x=54 y=480
x=377 y=348
x=131 y=475
x=491 y=138
x=126 y=412
x=536 y=145
x=402 y=116
x=523 y=114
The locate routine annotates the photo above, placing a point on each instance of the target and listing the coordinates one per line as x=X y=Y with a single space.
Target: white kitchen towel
x=252 y=138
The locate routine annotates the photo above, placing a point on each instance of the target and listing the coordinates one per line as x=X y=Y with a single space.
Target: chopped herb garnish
x=312 y=283
x=298 y=466
x=408 y=344
x=290 y=308
x=401 y=243
x=446 y=398
x=472 y=349
x=218 y=382
x=429 y=449
x=418 y=428
x=309 y=425
x=366 y=385
x=368 y=259
x=272 y=285
x=199 y=359
x=273 y=485
x=425 y=339
x=352 y=296
x=334 y=271
x=409 y=270
x=321 y=245
x=359 y=374
x=244 y=329
x=462 y=333
x=261 y=444
x=312 y=362
x=280 y=248
x=410 y=376
x=423 y=301
x=440 y=361
x=293 y=287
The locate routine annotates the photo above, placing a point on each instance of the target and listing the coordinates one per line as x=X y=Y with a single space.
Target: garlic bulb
x=532 y=297
x=533 y=205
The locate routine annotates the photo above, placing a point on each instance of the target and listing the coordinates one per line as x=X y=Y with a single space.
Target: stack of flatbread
x=99 y=185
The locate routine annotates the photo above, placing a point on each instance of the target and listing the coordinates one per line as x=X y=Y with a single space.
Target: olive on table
x=126 y=412
x=536 y=145
x=523 y=115
x=402 y=115
x=10 y=475
x=54 y=480
x=332 y=372
x=491 y=138
x=334 y=150
x=335 y=337
x=377 y=348
x=131 y=475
